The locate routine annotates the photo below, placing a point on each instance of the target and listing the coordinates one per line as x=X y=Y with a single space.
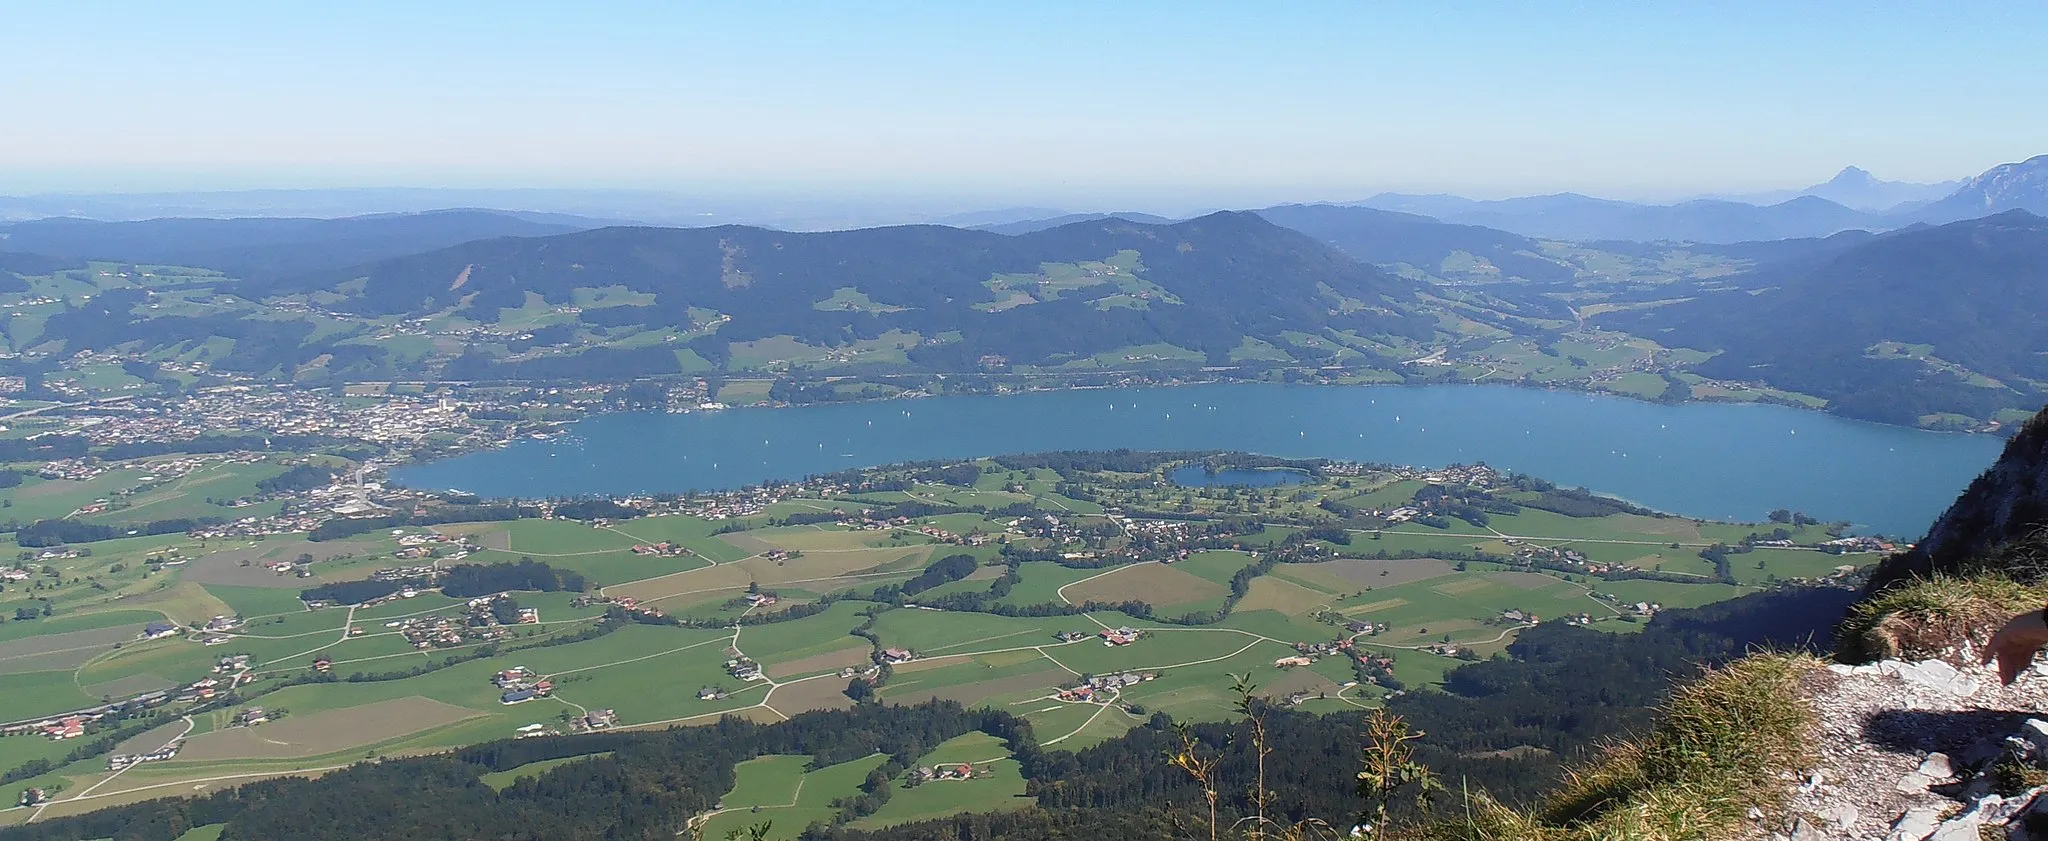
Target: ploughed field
x=1083 y=602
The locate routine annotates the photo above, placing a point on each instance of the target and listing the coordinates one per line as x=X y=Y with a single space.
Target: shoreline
x=2000 y=430
x=1480 y=426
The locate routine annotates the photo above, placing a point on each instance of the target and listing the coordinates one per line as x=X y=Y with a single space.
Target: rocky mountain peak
x=2014 y=186
x=1853 y=176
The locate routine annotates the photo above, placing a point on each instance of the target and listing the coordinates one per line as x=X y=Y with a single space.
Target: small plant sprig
x=1188 y=757
x=1390 y=771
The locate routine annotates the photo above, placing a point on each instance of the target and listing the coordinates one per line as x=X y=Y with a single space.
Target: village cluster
x=1090 y=688
x=1110 y=636
x=477 y=623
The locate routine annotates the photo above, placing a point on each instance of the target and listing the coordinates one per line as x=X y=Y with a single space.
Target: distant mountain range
x=1910 y=321
x=1564 y=216
x=268 y=248
x=1856 y=188
x=1852 y=200
x=1570 y=216
x=1918 y=322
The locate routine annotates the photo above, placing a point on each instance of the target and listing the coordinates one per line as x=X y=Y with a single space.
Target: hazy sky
x=1075 y=103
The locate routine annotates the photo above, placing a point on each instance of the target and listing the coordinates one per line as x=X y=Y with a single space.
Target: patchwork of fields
x=1425 y=602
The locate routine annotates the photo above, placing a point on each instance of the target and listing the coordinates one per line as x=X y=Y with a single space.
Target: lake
x=1710 y=460
x=1197 y=476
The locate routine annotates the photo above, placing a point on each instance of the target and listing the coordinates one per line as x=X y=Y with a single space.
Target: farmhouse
x=518 y=696
x=158 y=630
x=1119 y=636
x=1291 y=662
x=251 y=717
x=600 y=719
x=962 y=771
x=34 y=797
x=71 y=727
x=898 y=655
x=743 y=668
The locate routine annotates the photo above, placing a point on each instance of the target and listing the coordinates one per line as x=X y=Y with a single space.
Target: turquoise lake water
x=1709 y=460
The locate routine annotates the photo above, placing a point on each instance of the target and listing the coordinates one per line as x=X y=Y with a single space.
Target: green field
x=766 y=781
x=1002 y=789
x=258 y=601
x=498 y=780
x=22 y=629
x=1040 y=582
x=811 y=799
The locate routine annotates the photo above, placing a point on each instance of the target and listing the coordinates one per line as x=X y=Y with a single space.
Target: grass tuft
x=1933 y=618
x=1726 y=743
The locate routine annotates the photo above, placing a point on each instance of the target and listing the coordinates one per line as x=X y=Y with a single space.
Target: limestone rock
x=1843 y=814
x=1904 y=745
x=1916 y=824
x=1959 y=829
x=1936 y=767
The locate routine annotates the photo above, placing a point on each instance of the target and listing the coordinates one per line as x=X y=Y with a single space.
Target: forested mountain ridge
x=1911 y=324
x=1203 y=284
x=1026 y=226
x=1386 y=236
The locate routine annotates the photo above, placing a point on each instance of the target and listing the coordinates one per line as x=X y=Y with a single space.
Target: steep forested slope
x=1918 y=322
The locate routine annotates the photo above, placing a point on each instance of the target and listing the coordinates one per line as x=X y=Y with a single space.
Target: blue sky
x=1077 y=103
